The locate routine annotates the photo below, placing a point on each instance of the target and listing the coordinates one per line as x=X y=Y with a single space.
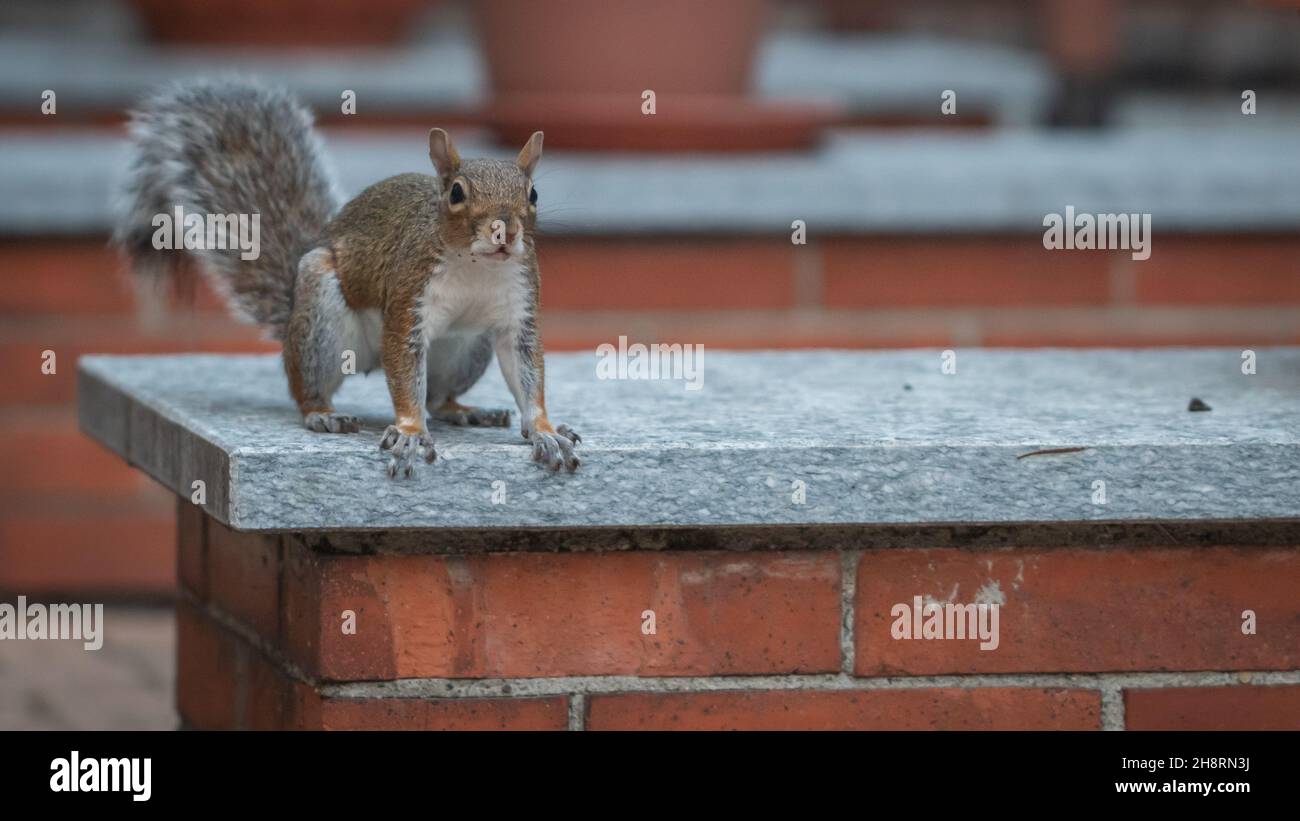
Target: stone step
x=1232 y=178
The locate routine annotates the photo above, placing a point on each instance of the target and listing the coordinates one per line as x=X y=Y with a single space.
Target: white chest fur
x=468 y=295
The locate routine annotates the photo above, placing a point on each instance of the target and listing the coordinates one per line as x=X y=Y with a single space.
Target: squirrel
x=426 y=276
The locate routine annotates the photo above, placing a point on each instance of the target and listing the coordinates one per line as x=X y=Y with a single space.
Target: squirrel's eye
x=532 y=195
x=457 y=194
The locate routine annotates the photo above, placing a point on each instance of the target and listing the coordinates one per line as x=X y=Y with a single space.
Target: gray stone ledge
x=1223 y=179
x=882 y=439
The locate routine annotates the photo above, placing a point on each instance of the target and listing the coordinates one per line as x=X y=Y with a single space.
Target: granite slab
x=769 y=438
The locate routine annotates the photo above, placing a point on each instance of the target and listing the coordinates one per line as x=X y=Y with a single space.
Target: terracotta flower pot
x=279 y=22
x=859 y=15
x=578 y=70
x=585 y=46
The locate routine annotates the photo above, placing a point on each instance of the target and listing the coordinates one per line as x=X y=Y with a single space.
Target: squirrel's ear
x=443 y=152
x=531 y=153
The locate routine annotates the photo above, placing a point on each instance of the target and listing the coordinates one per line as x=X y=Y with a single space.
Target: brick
x=911 y=709
x=317 y=591
x=191 y=549
x=37 y=448
x=551 y=713
x=1078 y=326
x=645 y=275
x=1221 y=271
x=1152 y=337
x=738 y=330
x=1073 y=610
x=1213 y=708
x=242 y=577
x=88 y=278
x=122 y=551
x=208 y=667
x=272 y=699
x=79 y=278
x=1138 y=327
x=945 y=272
x=22 y=344
x=526 y=615
x=225 y=683
x=69 y=277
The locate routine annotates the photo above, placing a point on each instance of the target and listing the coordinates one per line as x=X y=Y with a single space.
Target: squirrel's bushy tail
x=228 y=147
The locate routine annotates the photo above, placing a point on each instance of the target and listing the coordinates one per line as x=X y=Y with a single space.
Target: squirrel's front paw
x=404 y=448
x=553 y=450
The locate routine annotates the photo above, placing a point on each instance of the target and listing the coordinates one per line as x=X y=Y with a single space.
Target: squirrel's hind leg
x=454 y=413
x=314 y=344
x=454 y=365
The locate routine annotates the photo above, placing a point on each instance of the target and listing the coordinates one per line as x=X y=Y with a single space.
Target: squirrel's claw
x=569 y=433
x=554 y=450
x=404 y=448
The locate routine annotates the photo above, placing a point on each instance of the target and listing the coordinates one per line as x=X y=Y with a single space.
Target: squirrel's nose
x=512 y=228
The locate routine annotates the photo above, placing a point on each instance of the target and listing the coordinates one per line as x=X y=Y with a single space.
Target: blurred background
x=919 y=143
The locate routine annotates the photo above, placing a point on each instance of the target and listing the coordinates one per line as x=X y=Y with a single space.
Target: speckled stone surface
x=883 y=438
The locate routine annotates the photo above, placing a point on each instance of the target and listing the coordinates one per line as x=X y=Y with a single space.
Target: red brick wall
x=74 y=517
x=69 y=296
x=1090 y=638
